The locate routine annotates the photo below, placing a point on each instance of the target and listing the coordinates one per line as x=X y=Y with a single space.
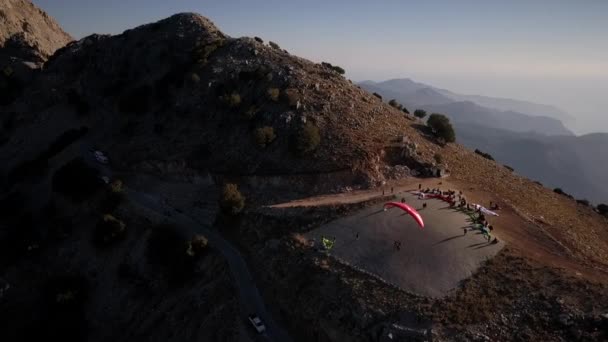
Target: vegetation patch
x=420 y=113
x=264 y=136
x=441 y=126
x=231 y=201
x=308 y=138
x=485 y=155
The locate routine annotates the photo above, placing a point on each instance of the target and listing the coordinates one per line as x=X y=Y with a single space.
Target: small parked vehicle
x=257 y=323
x=100 y=157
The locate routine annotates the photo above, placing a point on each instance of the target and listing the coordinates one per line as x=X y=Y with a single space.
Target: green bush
x=308 y=138
x=203 y=53
x=264 y=136
x=438 y=158
x=233 y=100
x=602 y=209
x=274 y=45
x=420 y=113
x=393 y=103
x=273 y=94
x=441 y=126
x=232 y=201
x=583 y=202
x=335 y=68
x=485 y=155
x=378 y=96
x=563 y=193
x=258 y=39
x=197 y=246
x=405 y=110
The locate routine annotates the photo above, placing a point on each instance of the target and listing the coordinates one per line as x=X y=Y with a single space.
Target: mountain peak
x=27 y=32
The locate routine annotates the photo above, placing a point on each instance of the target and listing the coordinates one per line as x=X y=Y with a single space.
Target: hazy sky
x=550 y=51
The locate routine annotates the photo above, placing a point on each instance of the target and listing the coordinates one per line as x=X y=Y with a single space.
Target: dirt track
x=527 y=238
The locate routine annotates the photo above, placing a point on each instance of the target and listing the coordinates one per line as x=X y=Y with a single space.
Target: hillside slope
x=179 y=101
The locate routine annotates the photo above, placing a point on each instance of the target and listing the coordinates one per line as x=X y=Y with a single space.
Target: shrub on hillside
x=335 y=68
x=108 y=230
x=274 y=45
x=393 y=103
x=308 y=138
x=563 y=193
x=232 y=201
x=197 y=246
x=258 y=39
x=378 y=96
x=438 y=158
x=273 y=94
x=583 y=202
x=509 y=168
x=203 y=53
x=420 y=113
x=602 y=209
x=264 y=136
x=441 y=126
x=485 y=155
x=405 y=110
x=76 y=180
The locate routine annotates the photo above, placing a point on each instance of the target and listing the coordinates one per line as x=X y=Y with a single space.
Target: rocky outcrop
x=28 y=37
x=28 y=33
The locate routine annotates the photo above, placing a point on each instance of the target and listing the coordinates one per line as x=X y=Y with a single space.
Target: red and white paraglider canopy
x=407 y=209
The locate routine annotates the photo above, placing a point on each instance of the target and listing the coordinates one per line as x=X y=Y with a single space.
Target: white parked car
x=257 y=323
x=100 y=157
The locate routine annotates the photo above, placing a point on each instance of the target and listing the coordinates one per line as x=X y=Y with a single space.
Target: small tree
x=308 y=138
x=233 y=100
x=264 y=136
x=378 y=96
x=442 y=127
x=393 y=103
x=339 y=70
x=231 y=201
x=420 y=113
x=273 y=94
x=438 y=158
x=197 y=246
x=405 y=110
x=274 y=45
x=602 y=209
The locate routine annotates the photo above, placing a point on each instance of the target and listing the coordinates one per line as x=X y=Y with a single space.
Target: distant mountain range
x=509 y=114
x=526 y=136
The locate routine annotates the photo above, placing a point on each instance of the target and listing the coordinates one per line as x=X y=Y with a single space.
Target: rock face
x=28 y=33
x=28 y=37
x=181 y=92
